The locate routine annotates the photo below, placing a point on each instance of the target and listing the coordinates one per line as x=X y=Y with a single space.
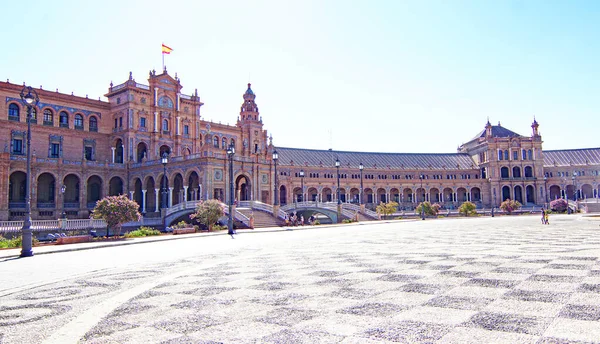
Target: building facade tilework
x=97 y=148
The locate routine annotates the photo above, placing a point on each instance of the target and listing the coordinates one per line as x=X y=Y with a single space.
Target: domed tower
x=253 y=136
x=535 y=126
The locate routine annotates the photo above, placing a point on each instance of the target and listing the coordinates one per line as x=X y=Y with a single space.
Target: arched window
x=13 y=112
x=93 y=124
x=516 y=172
x=63 y=119
x=506 y=155
x=528 y=172
x=224 y=143
x=504 y=172
x=33 y=115
x=165 y=126
x=232 y=142
x=48 y=117
x=216 y=142
x=500 y=156
x=530 y=154
x=78 y=122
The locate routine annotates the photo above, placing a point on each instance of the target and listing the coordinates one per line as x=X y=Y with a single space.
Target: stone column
x=185 y=188
x=170 y=195
x=144 y=201
x=113 y=154
x=156 y=194
x=131 y=195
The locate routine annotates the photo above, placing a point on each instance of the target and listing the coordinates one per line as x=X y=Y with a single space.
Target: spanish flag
x=166 y=50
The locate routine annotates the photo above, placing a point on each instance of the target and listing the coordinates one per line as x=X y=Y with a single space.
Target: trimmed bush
x=208 y=213
x=430 y=209
x=509 y=205
x=116 y=210
x=142 y=232
x=559 y=205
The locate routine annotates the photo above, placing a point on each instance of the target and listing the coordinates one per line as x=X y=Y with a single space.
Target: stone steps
x=261 y=219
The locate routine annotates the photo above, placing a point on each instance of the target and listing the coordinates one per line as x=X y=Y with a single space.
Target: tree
x=467 y=208
x=116 y=210
x=208 y=212
x=387 y=209
x=430 y=209
x=509 y=205
x=559 y=205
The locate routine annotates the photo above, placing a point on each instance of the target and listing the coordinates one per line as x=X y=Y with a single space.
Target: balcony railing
x=71 y=205
x=13 y=118
x=16 y=205
x=64 y=125
x=94 y=129
x=48 y=123
x=79 y=127
x=46 y=205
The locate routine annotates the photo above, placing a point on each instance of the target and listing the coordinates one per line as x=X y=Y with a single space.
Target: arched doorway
x=461 y=195
x=115 y=186
x=327 y=195
x=355 y=195
x=71 y=195
x=137 y=193
x=587 y=191
x=554 y=192
x=242 y=188
x=151 y=205
x=193 y=187
x=406 y=195
x=395 y=195
x=177 y=189
x=94 y=191
x=297 y=192
x=46 y=191
x=530 y=194
x=448 y=195
x=505 y=193
x=368 y=197
x=519 y=194
x=313 y=194
x=17 y=190
x=142 y=152
x=282 y=195
x=434 y=195
x=475 y=194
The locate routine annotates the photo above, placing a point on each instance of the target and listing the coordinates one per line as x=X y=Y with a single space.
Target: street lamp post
x=337 y=166
x=494 y=201
x=164 y=159
x=63 y=188
x=546 y=190
x=275 y=193
x=30 y=98
x=230 y=153
x=361 y=167
x=574 y=187
x=302 y=185
x=422 y=202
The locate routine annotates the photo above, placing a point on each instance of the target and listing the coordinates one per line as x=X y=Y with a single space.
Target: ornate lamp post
x=275 y=193
x=230 y=154
x=302 y=185
x=30 y=98
x=546 y=190
x=422 y=206
x=361 y=167
x=494 y=192
x=165 y=160
x=337 y=166
x=574 y=186
x=63 y=188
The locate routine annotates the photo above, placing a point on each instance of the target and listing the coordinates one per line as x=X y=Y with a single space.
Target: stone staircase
x=261 y=218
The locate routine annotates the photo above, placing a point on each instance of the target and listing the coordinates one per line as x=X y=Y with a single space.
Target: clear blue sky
x=388 y=76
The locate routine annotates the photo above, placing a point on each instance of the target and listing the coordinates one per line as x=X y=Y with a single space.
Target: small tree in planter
x=387 y=209
x=510 y=205
x=208 y=212
x=559 y=205
x=430 y=209
x=467 y=208
x=116 y=210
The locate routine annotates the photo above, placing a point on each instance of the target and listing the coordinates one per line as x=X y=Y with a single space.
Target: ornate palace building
x=85 y=149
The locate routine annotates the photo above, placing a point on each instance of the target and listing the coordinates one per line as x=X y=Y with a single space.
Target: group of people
x=295 y=220
x=545 y=217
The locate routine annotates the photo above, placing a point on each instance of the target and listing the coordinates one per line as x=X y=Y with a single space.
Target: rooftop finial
x=130 y=76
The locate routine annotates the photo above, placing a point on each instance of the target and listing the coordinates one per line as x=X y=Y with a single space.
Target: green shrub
x=317 y=222
x=216 y=228
x=430 y=209
x=399 y=218
x=142 y=232
x=15 y=242
x=467 y=208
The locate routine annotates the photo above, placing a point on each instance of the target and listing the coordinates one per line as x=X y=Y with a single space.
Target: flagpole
x=163 y=60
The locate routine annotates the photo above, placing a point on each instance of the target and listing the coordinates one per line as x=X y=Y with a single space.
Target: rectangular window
x=499 y=155
x=143 y=122
x=506 y=155
x=524 y=155
x=116 y=123
x=17 y=146
x=515 y=155
x=54 y=150
x=120 y=122
x=186 y=130
x=89 y=153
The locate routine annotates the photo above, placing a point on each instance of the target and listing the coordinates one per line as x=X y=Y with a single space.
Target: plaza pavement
x=480 y=280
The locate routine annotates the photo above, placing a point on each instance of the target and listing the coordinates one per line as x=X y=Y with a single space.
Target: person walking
x=546 y=215
x=543 y=216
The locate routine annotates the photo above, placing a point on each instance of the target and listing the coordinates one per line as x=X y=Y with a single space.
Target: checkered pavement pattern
x=425 y=285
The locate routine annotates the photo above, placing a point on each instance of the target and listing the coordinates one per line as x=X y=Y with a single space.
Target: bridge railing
x=181 y=206
x=52 y=225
